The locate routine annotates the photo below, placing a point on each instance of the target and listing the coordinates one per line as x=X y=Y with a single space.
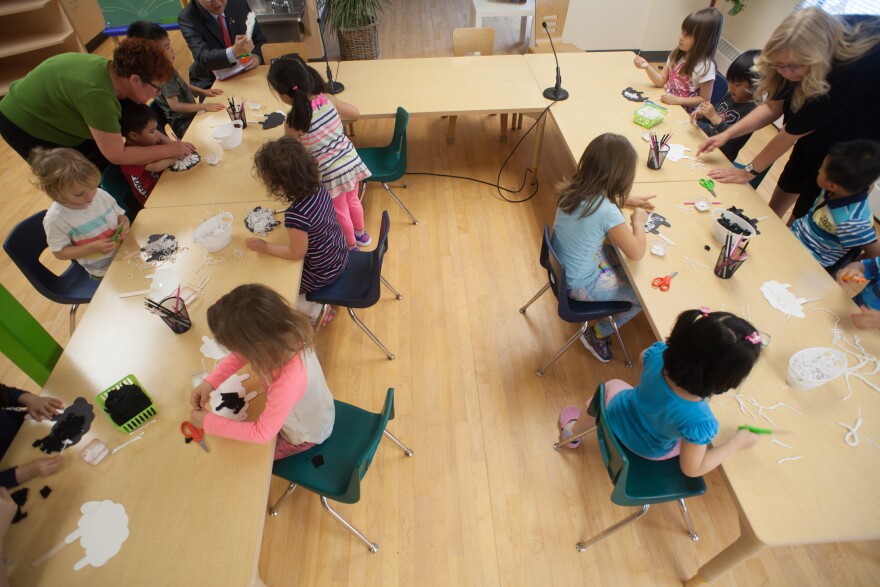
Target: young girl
x=667 y=414
x=82 y=221
x=315 y=121
x=589 y=211
x=260 y=328
x=689 y=74
x=287 y=170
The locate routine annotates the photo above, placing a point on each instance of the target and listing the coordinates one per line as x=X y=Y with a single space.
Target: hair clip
x=294 y=88
x=704 y=310
x=754 y=338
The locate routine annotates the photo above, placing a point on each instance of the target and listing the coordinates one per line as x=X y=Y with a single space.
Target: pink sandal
x=568 y=414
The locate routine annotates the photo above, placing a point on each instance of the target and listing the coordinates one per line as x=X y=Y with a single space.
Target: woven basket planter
x=359 y=43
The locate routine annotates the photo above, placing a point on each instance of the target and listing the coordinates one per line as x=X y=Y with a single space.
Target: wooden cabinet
x=86 y=18
x=31 y=31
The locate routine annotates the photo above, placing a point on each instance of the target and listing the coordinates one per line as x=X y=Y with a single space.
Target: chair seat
x=354 y=288
x=656 y=482
x=383 y=164
x=585 y=311
x=74 y=286
x=326 y=469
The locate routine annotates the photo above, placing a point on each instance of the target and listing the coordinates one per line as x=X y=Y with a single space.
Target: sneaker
x=364 y=239
x=599 y=347
x=354 y=247
x=330 y=315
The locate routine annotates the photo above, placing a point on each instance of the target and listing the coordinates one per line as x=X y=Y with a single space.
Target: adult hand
x=213 y=107
x=255 y=61
x=730 y=175
x=40 y=407
x=102 y=246
x=867 y=319
x=852 y=272
x=201 y=395
x=42 y=467
x=641 y=63
x=242 y=45
x=197 y=417
x=638 y=218
x=712 y=143
x=670 y=99
x=256 y=244
x=643 y=202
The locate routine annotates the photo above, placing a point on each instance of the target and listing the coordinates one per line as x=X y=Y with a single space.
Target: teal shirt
x=578 y=241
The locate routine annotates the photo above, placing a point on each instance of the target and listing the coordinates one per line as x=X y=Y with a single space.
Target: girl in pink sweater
x=261 y=328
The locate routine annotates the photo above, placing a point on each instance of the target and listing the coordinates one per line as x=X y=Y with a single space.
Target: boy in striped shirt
x=841 y=218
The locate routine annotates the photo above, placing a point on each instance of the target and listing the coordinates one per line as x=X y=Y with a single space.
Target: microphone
x=556 y=93
x=333 y=87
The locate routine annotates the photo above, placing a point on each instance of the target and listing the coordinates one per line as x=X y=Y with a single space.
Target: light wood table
x=595 y=106
x=831 y=494
x=195 y=518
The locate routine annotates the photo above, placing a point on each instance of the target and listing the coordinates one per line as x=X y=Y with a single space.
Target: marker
x=855 y=278
x=765 y=431
x=117 y=233
x=692 y=203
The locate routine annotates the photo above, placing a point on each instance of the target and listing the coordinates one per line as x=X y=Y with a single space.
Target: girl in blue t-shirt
x=588 y=213
x=667 y=414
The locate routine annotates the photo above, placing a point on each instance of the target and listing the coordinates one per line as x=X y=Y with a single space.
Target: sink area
x=280 y=20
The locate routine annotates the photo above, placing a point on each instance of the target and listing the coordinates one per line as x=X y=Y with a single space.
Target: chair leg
x=450 y=133
x=370 y=334
x=540 y=372
x=399 y=203
x=688 y=522
x=363 y=191
x=535 y=297
x=371 y=545
x=406 y=450
x=558 y=446
x=391 y=287
x=274 y=510
x=504 y=128
x=324 y=309
x=582 y=546
x=629 y=363
x=73 y=310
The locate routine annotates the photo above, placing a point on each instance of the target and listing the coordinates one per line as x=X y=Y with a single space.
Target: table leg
x=523 y=24
x=536 y=150
x=744 y=547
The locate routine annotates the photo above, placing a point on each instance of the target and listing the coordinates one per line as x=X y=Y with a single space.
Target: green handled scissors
x=766 y=431
x=709 y=185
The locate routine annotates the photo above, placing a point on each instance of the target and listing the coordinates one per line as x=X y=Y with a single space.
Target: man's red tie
x=224 y=30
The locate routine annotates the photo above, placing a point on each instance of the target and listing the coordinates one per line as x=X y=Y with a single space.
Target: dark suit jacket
x=205 y=41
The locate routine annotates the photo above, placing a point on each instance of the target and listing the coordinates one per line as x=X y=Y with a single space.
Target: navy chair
x=719 y=89
x=360 y=285
x=570 y=310
x=25 y=244
x=115 y=184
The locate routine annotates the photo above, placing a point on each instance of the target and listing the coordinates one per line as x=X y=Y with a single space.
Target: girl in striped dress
x=315 y=121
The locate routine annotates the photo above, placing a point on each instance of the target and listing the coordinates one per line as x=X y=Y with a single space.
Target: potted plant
x=356 y=24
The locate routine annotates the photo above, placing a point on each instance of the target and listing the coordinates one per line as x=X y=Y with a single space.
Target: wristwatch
x=751 y=169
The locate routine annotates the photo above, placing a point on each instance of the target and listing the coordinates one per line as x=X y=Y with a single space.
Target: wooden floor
x=485 y=500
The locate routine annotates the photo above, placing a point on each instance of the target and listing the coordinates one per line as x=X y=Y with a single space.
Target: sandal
x=568 y=414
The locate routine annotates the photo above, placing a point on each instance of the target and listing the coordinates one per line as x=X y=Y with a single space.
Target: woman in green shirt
x=72 y=100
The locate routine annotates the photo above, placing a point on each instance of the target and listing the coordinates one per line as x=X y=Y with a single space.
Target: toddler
x=139 y=129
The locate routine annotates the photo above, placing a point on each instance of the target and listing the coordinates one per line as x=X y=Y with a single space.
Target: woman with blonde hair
x=822 y=73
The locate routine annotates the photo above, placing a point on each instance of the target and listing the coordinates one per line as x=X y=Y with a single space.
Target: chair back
x=352 y=493
x=556 y=276
x=398 y=140
x=377 y=257
x=275 y=50
x=553 y=12
x=25 y=244
x=613 y=455
x=473 y=40
x=115 y=184
x=718 y=89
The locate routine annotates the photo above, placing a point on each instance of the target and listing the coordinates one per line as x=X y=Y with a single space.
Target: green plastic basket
x=649 y=115
x=142 y=418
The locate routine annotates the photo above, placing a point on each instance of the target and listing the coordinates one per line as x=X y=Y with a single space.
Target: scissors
x=709 y=185
x=190 y=430
x=662 y=283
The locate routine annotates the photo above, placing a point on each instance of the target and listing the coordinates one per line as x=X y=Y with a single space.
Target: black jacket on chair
x=205 y=40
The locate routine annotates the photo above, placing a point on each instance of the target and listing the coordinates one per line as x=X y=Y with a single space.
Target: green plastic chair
x=24 y=341
x=387 y=164
x=638 y=481
x=334 y=469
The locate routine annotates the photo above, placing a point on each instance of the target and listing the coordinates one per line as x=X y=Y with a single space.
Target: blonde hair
x=255 y=322
x=606 y=170
x=815 y=40
x=56 y=170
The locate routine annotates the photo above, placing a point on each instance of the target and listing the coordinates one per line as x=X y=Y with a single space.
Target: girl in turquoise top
x=667 y=414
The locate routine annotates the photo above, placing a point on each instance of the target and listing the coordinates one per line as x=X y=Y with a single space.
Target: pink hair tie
x=704 y=310
x=754 y=338
x=294 y=88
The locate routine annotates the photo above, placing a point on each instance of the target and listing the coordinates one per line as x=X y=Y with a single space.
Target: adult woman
x=822 y=73
x=72 y=100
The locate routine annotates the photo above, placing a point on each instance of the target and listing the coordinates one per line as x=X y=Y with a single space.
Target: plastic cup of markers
x=179 y=321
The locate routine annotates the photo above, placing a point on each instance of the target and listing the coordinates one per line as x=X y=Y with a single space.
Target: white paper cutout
x=213 y=349
x=167 y=280
x=101 y=530
x=232 y=385
x=782 y=299
x=676 y=152
x=249 y=22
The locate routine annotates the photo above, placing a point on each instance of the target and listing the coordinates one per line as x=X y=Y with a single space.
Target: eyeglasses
x=785 y=66
x=154 y=86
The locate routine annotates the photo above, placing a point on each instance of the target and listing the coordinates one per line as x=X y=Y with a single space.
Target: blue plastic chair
x=25 y=244
x=718 y=89
x=388 y=163
x=638 y=481
x=334 y=469
x=570 y=310
x=360 y=285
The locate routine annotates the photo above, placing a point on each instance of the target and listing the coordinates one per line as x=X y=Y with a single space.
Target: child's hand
x=40 y=407
x=746 y=439
x=641 y=63
x=125 y=231
x=102 y=246
x=201 y=395
x=42 y=467
x=867 y=319
x=670 y=99
x=212 y=92
x=256 y=244
x=639 y=217
x=707 y=111
x=213 y=107
x=197 y=417
x=852 y=272
x=643 y=202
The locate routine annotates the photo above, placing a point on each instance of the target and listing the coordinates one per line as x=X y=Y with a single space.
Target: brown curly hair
x=287 y=169
x=143 y=58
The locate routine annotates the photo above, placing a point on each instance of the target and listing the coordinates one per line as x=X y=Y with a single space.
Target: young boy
x=841 y=219
x=736 y=103
x=176 y=98
x=139 y=129
x=84 y=222
x=866 y=271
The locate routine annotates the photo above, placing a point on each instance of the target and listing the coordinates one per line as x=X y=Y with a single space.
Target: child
x=314 y=120
x=841 y=218
x=589 y=211
x=260 y=328
x=689 y=74
x=866 y=270
x=176 y=97
x=83 y=220
x=736 y=103
x=10 y=421
x=139 y=129
x=667 y=414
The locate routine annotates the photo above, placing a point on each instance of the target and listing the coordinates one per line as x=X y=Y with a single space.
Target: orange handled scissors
x=190 y=430
x=662 y=283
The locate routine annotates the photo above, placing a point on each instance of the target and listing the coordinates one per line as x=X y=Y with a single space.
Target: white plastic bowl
x=215 y=233
x=720 y=233
x=833 y=360
x=228 y=135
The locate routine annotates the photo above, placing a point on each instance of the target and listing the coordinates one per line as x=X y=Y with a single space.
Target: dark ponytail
x=289 y=77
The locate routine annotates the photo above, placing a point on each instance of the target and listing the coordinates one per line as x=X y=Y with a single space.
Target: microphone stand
x=556 y=93
x=333 y=87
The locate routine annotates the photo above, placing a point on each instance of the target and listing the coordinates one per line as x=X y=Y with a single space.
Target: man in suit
x=214 y=31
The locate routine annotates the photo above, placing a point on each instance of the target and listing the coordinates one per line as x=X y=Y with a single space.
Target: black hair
x=141 y=29
x=741 y=68
x=853 y=165
x=289 y=77
x=709 y=353
x=135 y=117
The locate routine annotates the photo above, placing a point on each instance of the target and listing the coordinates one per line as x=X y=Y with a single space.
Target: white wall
x=761 y=19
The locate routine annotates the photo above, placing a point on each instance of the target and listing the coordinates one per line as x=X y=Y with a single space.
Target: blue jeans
x=610 y=285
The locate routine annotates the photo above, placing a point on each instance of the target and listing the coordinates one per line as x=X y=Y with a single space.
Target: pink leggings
x=614 y=387
x=350 y=214
x=285 y=449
